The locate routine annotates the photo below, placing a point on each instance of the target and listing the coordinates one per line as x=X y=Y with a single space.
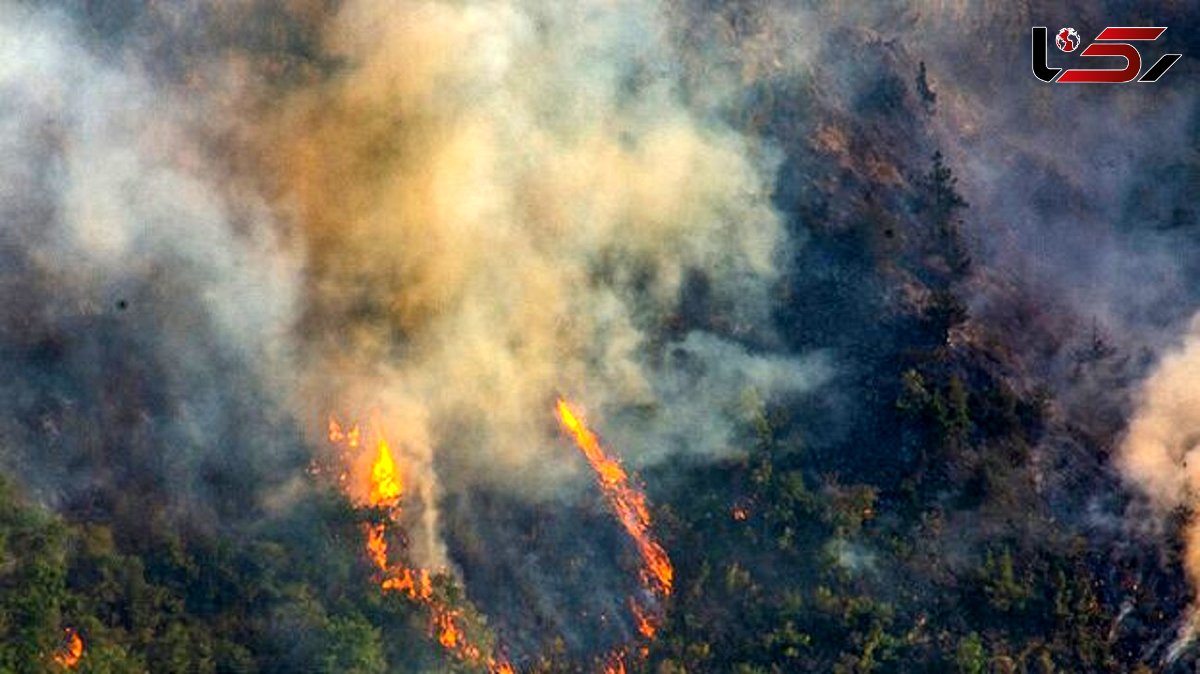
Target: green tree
x=354 y=646
x=1004 y=591
x=32 y=585
x=970 y=656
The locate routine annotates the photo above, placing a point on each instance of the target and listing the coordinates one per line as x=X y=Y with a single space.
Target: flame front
x=629 y=504
x=72 y=649
x=386 y=490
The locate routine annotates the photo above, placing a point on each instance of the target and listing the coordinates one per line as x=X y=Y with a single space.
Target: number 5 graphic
x=1116 y=46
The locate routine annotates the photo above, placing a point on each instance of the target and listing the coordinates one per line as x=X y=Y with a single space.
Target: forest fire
x=71 y=651
x=629 y=504
x=873 y=352
x=386 y=490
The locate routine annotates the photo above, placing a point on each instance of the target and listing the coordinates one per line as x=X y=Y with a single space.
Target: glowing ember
x=615 y=663
x=448 y=633
x=647 y=624
x=377 y=546
x=72 y=650
x=634 y=515
x=336 y=434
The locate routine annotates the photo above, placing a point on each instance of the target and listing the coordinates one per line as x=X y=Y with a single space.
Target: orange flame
x=627 y=501
x=630 y=506
x=386 y=490
x=72 y=649
x=647 y=624
x=377 y=546
x=615 y=663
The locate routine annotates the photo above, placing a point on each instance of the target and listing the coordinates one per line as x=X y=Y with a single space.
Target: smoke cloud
x=505 y=202
x=453 y=215
x=1161 y=452
x=149 y=303
x=222 y=223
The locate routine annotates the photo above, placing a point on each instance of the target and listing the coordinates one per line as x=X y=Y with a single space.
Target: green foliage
x=914 y=394
x=1004 y=591
x=970 y=656
x=816 y=578
x=111 y=658
x=943 y=412
x=354 y=646
x=296 y=597
x=32 y=585
x=849 y=508
x=780 y=568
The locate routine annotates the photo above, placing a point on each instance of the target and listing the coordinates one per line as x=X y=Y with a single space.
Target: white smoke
x=503 y=203
x=122 y=242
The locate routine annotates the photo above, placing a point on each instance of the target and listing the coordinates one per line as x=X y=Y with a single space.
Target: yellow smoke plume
x=1161 y=451
x=501 y=201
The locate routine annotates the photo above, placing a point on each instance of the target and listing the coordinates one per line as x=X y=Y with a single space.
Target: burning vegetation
x=629 y=505
x=911 y=385
x=71 y=652
x=385 y=494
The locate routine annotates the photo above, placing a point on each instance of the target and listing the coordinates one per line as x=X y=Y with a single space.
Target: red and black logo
x=1113 y=42
x=1067 y=39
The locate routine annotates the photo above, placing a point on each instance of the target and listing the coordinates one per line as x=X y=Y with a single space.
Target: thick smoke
x=437 y=218
x=497 y=204
x=217 y=229
x=148 y=303
x=505 y=202
x=1160 y=454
